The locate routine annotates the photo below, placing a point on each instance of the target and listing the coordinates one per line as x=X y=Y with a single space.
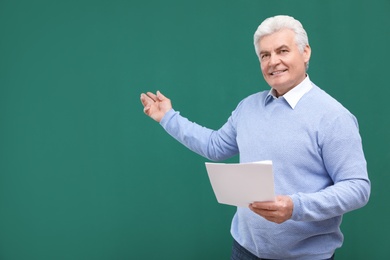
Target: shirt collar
x=294 y=95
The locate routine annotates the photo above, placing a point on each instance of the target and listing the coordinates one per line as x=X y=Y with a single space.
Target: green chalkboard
x=84 y=174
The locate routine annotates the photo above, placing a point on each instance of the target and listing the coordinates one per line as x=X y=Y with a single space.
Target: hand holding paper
x=276 y=211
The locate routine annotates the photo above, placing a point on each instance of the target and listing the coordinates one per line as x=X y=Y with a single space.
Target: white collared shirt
x=295 y=94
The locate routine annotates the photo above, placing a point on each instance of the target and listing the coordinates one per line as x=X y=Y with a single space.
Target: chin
x=277 y=85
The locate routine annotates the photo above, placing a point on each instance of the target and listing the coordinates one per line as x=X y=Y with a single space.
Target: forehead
x=285 y=37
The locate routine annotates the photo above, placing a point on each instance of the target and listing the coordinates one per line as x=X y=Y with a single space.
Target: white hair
x=277 y=23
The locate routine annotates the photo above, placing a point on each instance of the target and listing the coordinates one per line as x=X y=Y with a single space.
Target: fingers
x=268 y=206
x=156 y=97
x=148 y=100
x=155 y=105
x=270 y=215
x=151 y=97
x=145 y=99
x=276 y=211
x=160 y=96
x=263 y=210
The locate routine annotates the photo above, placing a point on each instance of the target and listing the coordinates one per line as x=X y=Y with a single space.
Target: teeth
x=277 y=72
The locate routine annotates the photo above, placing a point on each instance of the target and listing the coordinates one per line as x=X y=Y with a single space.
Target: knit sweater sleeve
x=341 y=147
x=215 y=145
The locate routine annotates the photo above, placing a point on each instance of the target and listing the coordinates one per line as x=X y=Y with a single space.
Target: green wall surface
x=84 y=174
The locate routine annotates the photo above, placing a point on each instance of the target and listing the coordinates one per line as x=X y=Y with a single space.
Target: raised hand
x=155 y=105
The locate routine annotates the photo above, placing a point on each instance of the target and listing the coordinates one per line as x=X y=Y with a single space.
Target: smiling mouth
x=277 y=72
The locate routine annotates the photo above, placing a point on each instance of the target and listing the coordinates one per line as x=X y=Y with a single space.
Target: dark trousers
x=240 y=253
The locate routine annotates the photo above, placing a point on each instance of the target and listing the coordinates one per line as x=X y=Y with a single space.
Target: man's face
x=282 y=64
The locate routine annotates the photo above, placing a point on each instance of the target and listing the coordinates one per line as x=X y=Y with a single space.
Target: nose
x=273 y=60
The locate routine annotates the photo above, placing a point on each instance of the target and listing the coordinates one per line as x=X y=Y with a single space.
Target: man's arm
x=214 y=145
x=343 y=158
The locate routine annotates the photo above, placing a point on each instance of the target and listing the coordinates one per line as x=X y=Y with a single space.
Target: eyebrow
x=282 y=47
x=277 y=49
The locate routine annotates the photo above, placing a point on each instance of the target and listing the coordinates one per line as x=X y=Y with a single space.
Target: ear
x=306 y=53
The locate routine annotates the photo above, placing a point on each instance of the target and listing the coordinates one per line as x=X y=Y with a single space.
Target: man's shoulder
x=321 y=99
x=319 y=104
x=256 y=97
x=252 y=102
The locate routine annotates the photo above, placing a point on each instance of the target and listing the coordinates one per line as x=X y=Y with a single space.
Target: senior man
x=319 y=167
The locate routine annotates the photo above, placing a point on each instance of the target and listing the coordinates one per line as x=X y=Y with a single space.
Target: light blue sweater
x=317 y=159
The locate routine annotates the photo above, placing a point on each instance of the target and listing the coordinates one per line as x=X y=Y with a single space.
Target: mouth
x=277 y=72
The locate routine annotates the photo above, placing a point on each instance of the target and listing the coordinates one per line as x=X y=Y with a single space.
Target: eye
x=264 y=56
x=283 y=51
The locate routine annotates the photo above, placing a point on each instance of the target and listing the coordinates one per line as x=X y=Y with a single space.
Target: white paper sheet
x=241 y=184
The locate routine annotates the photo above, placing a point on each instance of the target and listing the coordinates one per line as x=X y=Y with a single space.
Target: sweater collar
x=294 y=95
